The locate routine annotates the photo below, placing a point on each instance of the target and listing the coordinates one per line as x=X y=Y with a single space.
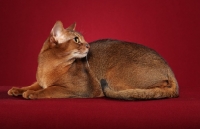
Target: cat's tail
x=167 y=91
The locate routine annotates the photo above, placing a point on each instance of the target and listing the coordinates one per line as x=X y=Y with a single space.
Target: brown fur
x=69 y=68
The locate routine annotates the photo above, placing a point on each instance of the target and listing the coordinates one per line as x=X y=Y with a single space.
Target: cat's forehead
x=75 y=33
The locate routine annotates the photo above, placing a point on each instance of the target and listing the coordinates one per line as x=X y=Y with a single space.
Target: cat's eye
x=76 y=39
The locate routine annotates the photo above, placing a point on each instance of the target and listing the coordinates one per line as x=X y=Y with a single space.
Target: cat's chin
x=80 y=55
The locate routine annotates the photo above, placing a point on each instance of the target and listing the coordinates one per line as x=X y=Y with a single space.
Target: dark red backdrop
x=172 y=27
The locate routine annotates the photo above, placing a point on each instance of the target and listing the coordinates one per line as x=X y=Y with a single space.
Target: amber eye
x=76 y=39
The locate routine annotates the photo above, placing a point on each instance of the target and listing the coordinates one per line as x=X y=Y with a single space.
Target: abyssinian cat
x=69 y=67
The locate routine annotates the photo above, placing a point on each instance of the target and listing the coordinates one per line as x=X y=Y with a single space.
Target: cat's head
x=66 y=42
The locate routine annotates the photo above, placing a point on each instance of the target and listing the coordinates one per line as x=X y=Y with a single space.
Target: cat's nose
x=87 y=45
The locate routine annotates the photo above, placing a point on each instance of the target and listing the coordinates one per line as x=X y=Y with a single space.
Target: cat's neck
x=79 y=65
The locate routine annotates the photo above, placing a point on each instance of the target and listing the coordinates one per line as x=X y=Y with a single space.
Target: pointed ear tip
x=74 y=24
x=57 y=28
x=58 y=22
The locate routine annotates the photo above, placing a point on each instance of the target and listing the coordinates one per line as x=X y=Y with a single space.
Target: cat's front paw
x=15 y=91
x=30 y=94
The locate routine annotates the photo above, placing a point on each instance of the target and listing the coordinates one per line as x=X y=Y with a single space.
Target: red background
x=171 y=27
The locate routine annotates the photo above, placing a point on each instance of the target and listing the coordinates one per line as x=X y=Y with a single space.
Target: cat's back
x=122 y=47
x=108 y=50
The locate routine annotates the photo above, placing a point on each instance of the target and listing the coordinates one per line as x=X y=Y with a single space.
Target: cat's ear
x=57 y=29
x=72 y=26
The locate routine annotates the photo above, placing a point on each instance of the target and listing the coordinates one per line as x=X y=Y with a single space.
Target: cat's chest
x=49 y=75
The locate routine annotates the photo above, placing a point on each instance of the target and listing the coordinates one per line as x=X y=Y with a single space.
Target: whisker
x=87 y=62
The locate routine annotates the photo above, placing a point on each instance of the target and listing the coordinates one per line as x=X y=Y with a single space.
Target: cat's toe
x=15 y=91
x=10 y=92
x=30 y=94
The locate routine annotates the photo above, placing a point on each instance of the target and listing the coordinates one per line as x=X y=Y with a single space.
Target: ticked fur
x=113 y=68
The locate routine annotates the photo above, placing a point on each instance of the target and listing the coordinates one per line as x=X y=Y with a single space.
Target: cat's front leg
x=50 y=92
x=16 y=91
x=30 y=94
